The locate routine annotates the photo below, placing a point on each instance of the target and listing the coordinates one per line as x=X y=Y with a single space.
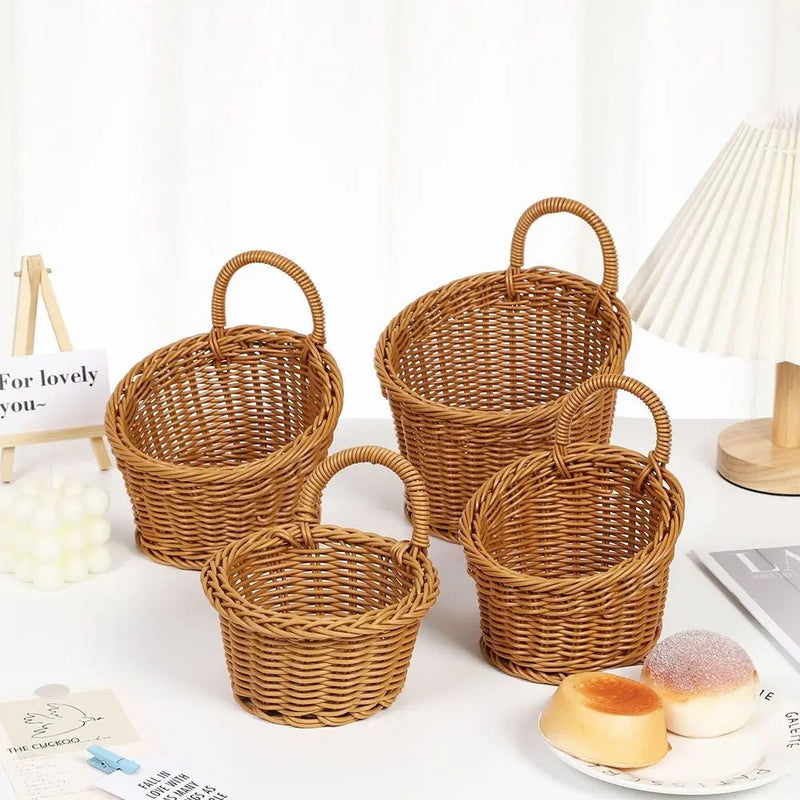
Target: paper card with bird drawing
x=43 y=741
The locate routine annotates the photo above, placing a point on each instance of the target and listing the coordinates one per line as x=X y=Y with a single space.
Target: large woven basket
x=570 y=549
x=476 y=372
x=319 y=621
x=216 y=434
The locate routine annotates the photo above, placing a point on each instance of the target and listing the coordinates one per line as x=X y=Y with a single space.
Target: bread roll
x=705 y=680
x=606 y=719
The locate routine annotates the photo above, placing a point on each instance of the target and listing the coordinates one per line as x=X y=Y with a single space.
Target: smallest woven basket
x=318 y=621
x=570 y=549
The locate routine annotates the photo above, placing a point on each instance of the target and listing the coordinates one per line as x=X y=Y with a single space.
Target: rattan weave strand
x=476 y=372
x=570 y=549
x=318 y=621
x=215 y=434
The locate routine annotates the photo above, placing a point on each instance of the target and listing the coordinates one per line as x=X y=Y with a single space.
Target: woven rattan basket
x=570 y=549
x=216 y=434
x=319 y=621
x=476 y=371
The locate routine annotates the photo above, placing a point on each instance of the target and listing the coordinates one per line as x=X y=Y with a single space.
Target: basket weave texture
x=476 y=372
x=215 y=434
x=570 y=549
x=318 y=621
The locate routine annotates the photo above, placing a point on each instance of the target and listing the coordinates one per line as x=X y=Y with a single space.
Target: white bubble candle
x=53 y=531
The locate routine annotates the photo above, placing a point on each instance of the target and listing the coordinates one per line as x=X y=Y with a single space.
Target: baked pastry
x=705 y=680
x=606 y=719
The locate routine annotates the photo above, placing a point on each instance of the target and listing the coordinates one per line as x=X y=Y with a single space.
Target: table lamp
x=725 y=278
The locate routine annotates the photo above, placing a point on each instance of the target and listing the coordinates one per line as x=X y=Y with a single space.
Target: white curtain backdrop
x=388 y=147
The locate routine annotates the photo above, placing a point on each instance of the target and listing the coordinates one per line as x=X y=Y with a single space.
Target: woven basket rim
x=298 y=626
x=659 y=548
x=399 y=389
x=124 y=450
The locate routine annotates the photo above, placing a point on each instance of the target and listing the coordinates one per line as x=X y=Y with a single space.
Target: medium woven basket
x=476 y=372
x=319 y=621
x=216 y=434
x=570 y=549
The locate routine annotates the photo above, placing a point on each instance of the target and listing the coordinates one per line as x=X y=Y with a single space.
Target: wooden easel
x=35 y=280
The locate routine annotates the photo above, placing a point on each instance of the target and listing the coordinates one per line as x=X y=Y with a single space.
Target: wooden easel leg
x=30 y=274
x=53 y=310
x=101 y=453
x=64 y=343
x=7 y=465
x=62 y=337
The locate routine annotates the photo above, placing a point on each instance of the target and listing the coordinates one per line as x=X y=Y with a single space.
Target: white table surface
x=459 y=729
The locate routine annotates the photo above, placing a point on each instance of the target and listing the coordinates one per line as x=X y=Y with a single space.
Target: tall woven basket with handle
x=319 y=621
x=216 y=434
x=570 y=549
x=476 y=372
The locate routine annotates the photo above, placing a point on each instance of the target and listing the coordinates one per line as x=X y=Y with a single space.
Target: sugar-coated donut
x=606 y=719
x=705 y=680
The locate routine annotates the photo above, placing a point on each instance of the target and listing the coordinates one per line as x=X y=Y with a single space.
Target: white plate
x=764 y=750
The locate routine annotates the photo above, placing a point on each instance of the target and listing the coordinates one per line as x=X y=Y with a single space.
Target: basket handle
x=310 y=498
x=284 y=265
x=578 y=396
x=555 y=205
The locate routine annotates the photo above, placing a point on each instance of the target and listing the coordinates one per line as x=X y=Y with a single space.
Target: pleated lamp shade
x=725 y=278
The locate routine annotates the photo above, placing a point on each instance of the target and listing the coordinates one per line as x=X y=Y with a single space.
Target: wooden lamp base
x=747 y=457
x=764 y=454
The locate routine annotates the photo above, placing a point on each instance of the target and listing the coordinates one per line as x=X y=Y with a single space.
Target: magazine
x=767 y=583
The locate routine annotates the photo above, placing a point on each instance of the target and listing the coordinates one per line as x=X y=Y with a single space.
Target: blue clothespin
x=109 y=762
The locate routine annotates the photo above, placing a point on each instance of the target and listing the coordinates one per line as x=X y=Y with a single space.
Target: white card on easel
x=52 y=391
